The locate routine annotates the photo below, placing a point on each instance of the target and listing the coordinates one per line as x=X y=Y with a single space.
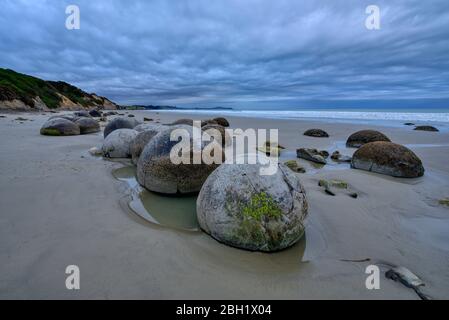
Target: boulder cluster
x=80 y=122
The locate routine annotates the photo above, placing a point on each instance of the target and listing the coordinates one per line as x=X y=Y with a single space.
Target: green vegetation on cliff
x=14 y=85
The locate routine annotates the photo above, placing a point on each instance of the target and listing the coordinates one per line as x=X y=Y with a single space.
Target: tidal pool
x=175 y=212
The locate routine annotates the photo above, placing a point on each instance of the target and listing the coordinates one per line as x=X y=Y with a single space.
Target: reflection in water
x=175 y=212
x=180 y=213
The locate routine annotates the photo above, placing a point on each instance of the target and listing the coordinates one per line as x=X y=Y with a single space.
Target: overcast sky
x=244 y=53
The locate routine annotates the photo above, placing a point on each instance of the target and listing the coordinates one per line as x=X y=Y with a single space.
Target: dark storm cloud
x=233 y=52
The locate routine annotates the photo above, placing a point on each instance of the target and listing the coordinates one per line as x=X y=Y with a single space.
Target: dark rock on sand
x=131 y=116
x=222 y=121
x=426 y=128
x=156 y=171
x=388 y=158
x=81 y=114
x=337 y=156
x=147 y=119
x=312 y=155
x=317 y=133
x=88 y=125
x=409 y=124
x=358 y=139
x=60 y=127
x=243 y=209
x=120 y=123
x=95 y=113
x=208 y=122
x=117 y=144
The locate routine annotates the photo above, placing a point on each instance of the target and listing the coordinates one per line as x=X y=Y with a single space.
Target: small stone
x=312 y=155
x=95 y=151
x=444 y=202
x=147 y=119
x=409 y=124
x=293 y=165
x=353 y=195
x=131 y=116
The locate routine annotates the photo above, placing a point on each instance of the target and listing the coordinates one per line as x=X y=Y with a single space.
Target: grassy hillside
x=14 y=85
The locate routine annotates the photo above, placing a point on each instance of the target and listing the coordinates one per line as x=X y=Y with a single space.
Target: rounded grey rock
x=118 y=143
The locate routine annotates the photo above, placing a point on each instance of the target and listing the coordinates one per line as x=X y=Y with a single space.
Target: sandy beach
x=61 y=206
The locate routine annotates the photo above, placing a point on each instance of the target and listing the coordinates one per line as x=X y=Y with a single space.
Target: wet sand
x=60 y=206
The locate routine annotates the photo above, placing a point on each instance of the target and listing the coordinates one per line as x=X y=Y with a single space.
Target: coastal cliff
x=23 y=92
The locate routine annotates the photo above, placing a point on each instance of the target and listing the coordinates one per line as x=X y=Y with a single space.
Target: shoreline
x=61 y=206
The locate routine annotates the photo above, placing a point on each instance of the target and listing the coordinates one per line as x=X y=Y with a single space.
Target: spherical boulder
x=88 y=125
x=157 y=172
x=218 y=131
x=60 y=127
x=242 y=208
x=142 y=139
x=188 y=122
x=120 y=123
x=359 y=138
x=388 y=158
x=81 y=113
x=117 y=144
x=95 y=113
x=222 y=121
x=317 y=133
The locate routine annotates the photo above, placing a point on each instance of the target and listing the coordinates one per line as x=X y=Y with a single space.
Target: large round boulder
x=242 y=208
x=317 y=133
x=188 y=122
x=95 y=113
x=157 y=172
x=117 y=144
x=142 y=139
x=60 y=127
x=388 y=158
x=358 y=139
x=88 y=125
x=120 y=123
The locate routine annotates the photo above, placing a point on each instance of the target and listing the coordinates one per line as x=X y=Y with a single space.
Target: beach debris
x=408 y=279
x=117 y=144
x=359 y=138
x=242 y=208
x=337 y=156
x=88 y=125
x=60 y=127
x=95 y=113
x=426 y=128
x=147 y=119
x=222 y=121
x=120 y=123
x=271 y=148
x=157 y=172
x=317 y=133
x=294 y=166
x=95 y=151
x=312 y=155
x=444 y=202
x=388 y=158
x=409 y=124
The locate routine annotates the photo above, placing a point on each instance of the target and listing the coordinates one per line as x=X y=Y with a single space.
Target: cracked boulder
x=242 y=208
x=156 y=170
x=388 y=158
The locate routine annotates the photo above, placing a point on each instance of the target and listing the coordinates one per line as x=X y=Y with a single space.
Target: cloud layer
x=232 y=52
